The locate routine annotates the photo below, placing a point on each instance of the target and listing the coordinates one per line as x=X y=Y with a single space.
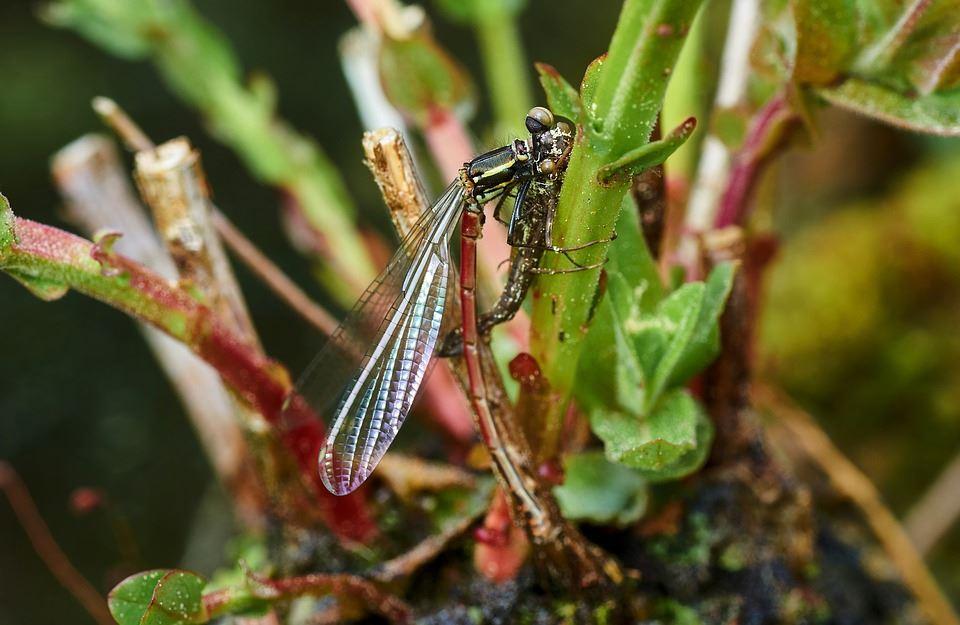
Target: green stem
x=506 y=66
x=619 y=114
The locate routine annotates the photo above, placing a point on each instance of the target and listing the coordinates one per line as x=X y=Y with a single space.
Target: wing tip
x=339 y=481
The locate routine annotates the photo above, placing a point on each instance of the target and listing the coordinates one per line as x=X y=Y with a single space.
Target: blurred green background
x=861 y=326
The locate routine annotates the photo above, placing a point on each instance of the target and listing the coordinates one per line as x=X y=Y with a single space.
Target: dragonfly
x=368 y=374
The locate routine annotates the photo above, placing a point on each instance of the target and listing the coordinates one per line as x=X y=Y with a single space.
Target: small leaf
x=588 y=89
x=8 y=232
x=917 y=52
x=45 y=289
x=826 y=32
x=678 y=314
x=598 y=490
x=610 y=374
x=672 y=441
x=937 y=114
x=562 y=97
x=704 y=343
x=159 y=597
x=648 y=155
x=419 y=77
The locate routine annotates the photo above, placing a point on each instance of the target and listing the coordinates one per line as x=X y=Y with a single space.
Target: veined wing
x=368 y=374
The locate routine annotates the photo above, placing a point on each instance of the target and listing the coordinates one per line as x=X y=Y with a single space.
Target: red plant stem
x=352 y=586
x=46 y=252
x=47 y=548
x=764 y=137
x=470 y=229
x=563 y=555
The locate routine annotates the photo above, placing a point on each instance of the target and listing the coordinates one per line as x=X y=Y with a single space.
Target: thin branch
x=388 y=158
x=425 y=551
x=272 y=276
x=255 y=260
x=804 y=432
x=47 y=548
x=98 y=196
x=174 y=186
x=937 y=510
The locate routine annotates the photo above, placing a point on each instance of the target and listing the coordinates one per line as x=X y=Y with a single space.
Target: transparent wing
x=368 y=374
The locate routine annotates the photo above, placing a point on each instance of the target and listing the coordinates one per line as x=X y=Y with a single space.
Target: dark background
x=82 y=402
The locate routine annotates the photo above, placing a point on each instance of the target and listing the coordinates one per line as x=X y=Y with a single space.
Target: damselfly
x=367 y=375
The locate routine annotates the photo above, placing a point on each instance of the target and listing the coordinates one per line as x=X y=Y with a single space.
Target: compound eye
x=539 y=119
x=547 y=166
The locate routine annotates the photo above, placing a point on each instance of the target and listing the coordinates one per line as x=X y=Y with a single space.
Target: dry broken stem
x=271 y=275
x=98 y=197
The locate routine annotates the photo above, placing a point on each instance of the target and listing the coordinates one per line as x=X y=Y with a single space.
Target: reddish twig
x=566 y=558
x=35 y=253
x=47 y=548
x=272 y=276
x=98 y=197
x=346 y=587
x=766 y=135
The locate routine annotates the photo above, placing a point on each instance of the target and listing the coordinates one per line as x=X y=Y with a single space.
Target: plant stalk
x=620 y=110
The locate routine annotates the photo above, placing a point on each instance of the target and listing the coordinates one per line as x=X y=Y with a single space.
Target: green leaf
x=159 y=597
x=43 y=288
x=600 y=491
x=562 y=97
x=672 y=441
x=937 y=114
x=704 y=343
x=648 y=155
x=913 y=48
x=611 y=374
x=418 y=76
x=8 y=233
x=629 y=257
x=826 y=39
x=678 y=316
x=588 y=89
